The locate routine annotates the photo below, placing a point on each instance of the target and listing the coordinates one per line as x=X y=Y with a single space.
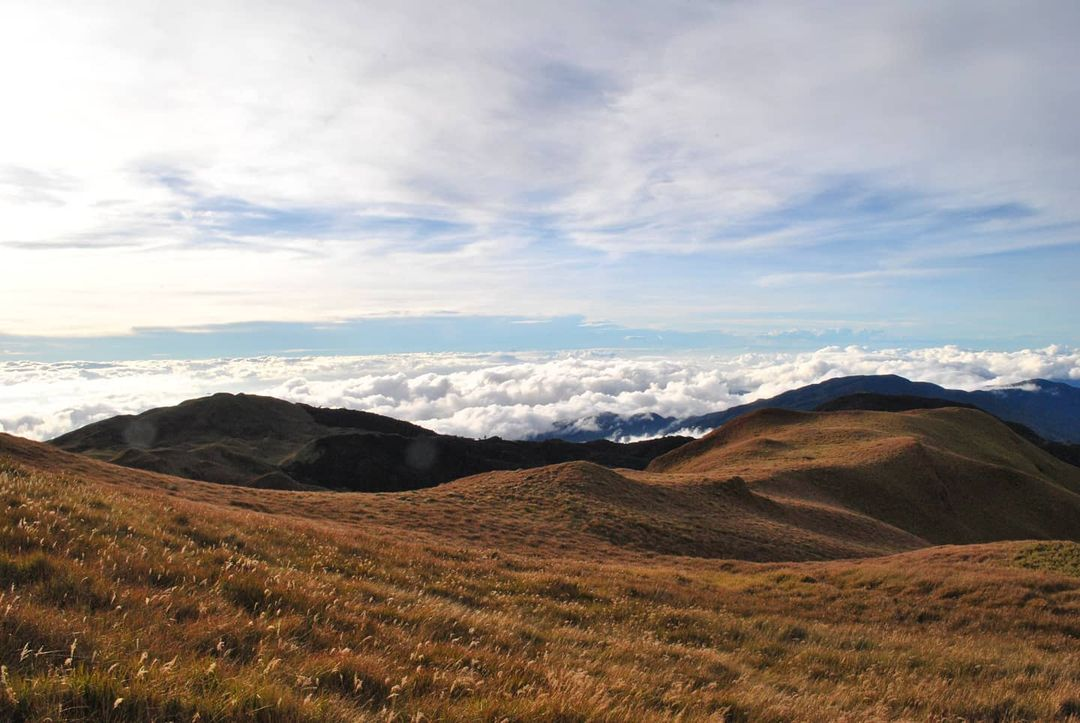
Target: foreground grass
x=120 y=604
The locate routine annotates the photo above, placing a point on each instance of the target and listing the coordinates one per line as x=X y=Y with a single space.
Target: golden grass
x=946 y=475
x=120 y=603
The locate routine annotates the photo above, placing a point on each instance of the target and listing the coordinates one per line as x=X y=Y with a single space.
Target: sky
x=226 y=179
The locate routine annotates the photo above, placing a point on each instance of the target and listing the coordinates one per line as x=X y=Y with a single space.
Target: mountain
x=1051 y=409
x=257 y=441
x=948 y=475
x=871 y=402
x=608 y=425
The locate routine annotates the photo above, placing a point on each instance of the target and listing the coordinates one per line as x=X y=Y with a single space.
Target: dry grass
x=944 y=475
x=577 y=510
x=121 y=603
x=772 y=486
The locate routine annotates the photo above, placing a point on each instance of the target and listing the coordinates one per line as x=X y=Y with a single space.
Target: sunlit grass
x=120 y=605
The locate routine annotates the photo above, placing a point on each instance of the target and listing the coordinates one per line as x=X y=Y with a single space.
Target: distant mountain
x=612 y=425
x=260 y=441
x=870 y=402
x=1051 y=409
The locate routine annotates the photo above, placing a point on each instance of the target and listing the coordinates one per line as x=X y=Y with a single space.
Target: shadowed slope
x=577 y=505
x=250 y=440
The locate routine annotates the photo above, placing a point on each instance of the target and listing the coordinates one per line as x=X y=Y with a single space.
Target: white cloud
x=509 y=395
x=817 y=277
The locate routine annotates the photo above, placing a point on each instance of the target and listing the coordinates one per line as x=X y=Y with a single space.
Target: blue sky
x=233 y=178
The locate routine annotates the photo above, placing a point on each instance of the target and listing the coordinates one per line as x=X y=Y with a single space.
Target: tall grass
x=123 y=605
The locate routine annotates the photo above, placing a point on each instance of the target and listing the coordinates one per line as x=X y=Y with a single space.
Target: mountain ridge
x=773 y=485
x=1050 y=408
x=249 y=439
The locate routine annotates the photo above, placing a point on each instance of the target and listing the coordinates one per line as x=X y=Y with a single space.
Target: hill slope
x=1065 y=451
x=259 y=441
x=775 y=485
x=947 y=475
x=132 y=596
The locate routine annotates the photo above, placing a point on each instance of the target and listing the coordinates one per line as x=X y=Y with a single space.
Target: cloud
x=813 y=277
x=334 y=159
x=477 y=395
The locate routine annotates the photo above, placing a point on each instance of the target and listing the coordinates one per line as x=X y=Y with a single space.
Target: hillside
x=256 y=441
x=577 y=510
x=949 y=475
x=131 y=596
x=1065 y=451
x=772 y=486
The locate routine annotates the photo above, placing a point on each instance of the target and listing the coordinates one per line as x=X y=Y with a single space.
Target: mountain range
x=773 y=484
x=264 y=442
x=1051 y=409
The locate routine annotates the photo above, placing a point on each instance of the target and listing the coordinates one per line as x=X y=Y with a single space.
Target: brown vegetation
x=563 y=593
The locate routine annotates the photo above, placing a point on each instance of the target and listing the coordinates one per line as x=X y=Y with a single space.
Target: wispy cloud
x=869 y=275
x=337 y=158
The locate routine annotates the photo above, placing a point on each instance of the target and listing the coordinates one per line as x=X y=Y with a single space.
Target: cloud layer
x=509 y=395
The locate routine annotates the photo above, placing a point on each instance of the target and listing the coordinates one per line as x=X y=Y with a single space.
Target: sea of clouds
x=477 y=395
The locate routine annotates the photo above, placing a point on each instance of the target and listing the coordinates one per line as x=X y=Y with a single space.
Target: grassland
x=124 y=600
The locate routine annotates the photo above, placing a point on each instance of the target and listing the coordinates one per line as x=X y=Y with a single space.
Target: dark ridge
x=355 y=419
x=250 y=440
x=886 y=403
x=371 y=463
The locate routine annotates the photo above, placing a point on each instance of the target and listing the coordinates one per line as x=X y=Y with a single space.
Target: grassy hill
x=771 y=486
x=263 y=442
x=570 y=592
x=949 y=475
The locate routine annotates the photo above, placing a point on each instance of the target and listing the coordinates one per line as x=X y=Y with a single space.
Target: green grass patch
x=1062 y=557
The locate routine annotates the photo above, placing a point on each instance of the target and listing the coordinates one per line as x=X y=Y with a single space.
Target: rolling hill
x=566 y=592
x=1065 y=451
x=774 y=485
x=264 y=442
x=948 y=475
